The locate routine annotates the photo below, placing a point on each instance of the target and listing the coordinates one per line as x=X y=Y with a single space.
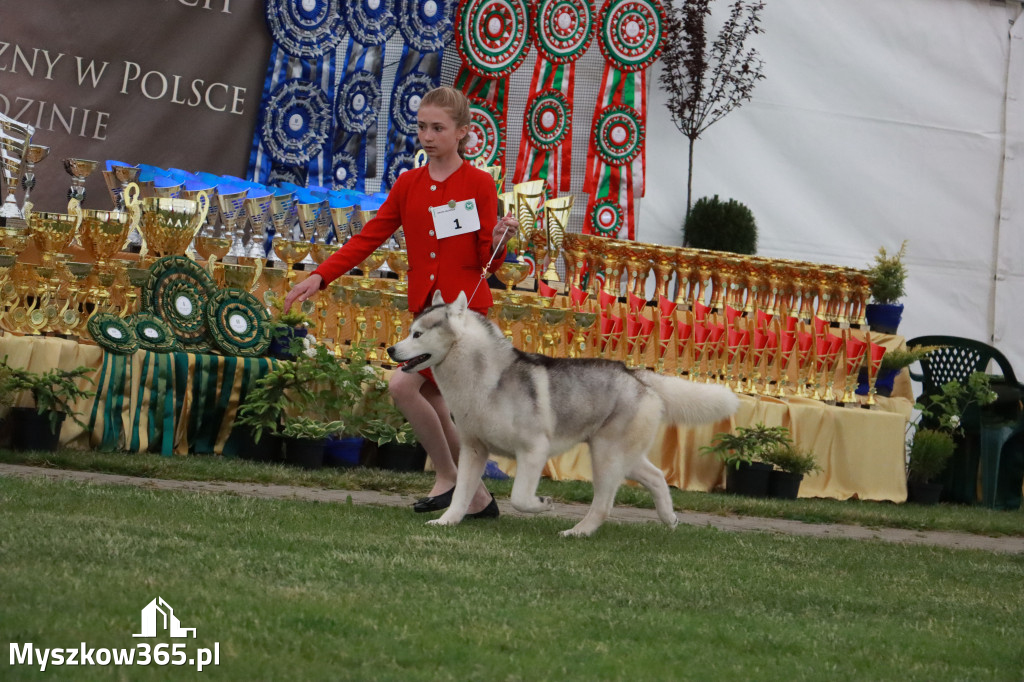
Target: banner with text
x=171 y=83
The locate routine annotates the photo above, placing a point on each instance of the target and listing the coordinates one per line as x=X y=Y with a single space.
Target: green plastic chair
x=994 y=434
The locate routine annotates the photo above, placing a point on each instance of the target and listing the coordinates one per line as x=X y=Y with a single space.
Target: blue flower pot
x=343 y=452
x=884 y=318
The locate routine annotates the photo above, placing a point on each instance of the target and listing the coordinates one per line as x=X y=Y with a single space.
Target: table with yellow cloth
x=181 y=403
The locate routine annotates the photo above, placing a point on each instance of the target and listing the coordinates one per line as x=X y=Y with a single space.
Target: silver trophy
x=15 y=138
x=258 y=209
x=36 y=153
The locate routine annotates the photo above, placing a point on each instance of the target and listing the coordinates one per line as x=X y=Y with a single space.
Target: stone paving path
x=1011 y=545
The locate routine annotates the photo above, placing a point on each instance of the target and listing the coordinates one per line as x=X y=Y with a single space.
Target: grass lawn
x=977 y=520
x=301 y=591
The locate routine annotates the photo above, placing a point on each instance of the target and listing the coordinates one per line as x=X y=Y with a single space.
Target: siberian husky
x=533 y=407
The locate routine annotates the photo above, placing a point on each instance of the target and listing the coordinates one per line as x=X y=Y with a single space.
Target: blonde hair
x=455 y=104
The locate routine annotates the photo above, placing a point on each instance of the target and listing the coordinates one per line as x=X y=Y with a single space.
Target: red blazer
x=447 y=265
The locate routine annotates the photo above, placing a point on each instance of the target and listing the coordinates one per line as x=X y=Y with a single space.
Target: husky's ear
x=460 y=303
x=438 y=299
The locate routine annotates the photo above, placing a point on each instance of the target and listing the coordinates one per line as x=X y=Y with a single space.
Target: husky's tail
x=687 y=402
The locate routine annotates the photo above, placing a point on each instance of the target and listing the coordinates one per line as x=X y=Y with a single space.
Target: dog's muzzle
x=410 y=364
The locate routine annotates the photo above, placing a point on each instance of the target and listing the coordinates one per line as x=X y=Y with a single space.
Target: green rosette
x=238 y=323
x=177 y=292
x=113 y=333
x=153 y=334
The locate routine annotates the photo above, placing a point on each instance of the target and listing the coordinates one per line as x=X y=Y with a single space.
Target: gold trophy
x=282 y=217
x=104 y=234
x=398 y=261
x=575 y=254
x=557 y=222
x=52 y=232
x=15 y=138
x=169 y=225
x=580 y=323
x=244 y=277
x=373 y=261
x=638 y=267
x=341 y=218
x=213 y=250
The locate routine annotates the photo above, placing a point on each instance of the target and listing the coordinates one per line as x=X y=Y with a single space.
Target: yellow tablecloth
x=179 y=403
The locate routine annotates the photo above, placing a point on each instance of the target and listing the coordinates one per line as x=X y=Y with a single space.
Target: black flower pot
x=268 y=449
x=784 y=485
x=750 y=479
x=304 y=452
x=923 y=493
x=32 y=431
x=401 y=457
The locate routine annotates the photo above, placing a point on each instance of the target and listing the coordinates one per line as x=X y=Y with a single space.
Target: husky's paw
x=575 y=532
x=545 y=503
x=442 y=522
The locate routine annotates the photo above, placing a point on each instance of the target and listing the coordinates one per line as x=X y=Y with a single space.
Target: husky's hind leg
x=529 y=467
x=471 y=467
x=650 y=477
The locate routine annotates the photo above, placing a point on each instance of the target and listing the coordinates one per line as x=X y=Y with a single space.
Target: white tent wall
x=878 y=121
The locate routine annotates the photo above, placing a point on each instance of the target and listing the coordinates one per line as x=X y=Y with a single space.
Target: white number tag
x=455 y=218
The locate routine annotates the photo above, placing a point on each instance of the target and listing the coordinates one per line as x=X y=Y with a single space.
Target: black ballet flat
x=435 y=503
x=488 y=512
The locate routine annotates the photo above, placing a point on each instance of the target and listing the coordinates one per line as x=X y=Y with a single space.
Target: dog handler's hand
x=505 y=230
x=303 y=290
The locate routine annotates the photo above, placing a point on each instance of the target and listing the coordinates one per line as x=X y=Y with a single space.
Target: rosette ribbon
x=629 y=34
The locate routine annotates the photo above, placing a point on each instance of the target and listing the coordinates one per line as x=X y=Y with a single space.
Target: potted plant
x=791 y=465
x=892 y=363
x=286 y=326
x=309 y=399
x=720 y=226
x=55 y=393
x=936 y=431
x=929 y=451
x=743 y=453
x=888 y=285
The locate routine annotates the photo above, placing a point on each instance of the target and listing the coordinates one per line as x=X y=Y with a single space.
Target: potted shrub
x=929 y=451
x=720 y=226
x=308 y=399
x=55 y=394
x=791 y=465
x=285 y=327
x=937 y=430
x=892 y=364
x=743 y=453
x=888 y=285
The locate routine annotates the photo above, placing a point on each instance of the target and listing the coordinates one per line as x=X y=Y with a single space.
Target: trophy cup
x=79 y=170
x=373 y=261
x=52 y=232
x=557 y=221
x=686 y=273
x=398 y=261
x=575 y=255
x=169 y=225
x=244 y=277
x=366 y=329
x=104 y=234
x=398 y=303
x=15 y=138
x=282 y=217
x=232 y=212
x=36 y=153
x=341 y=217
x=664 y=266
x=580 y=323
x=554 y=325
x=258 y=208
x=638 y=267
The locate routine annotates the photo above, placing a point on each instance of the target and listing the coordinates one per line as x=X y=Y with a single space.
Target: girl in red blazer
x=449 y=248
